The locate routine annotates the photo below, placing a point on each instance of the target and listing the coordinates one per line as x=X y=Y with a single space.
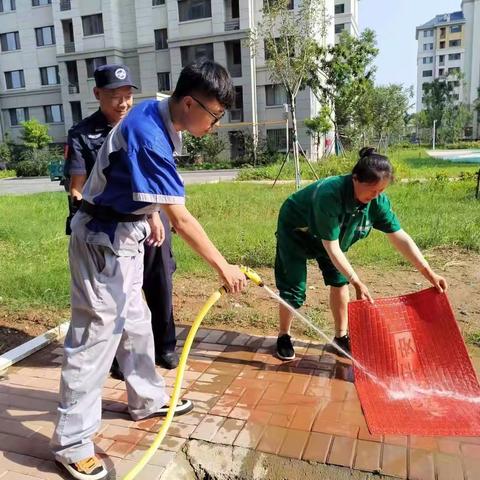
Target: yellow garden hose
x=251 y=275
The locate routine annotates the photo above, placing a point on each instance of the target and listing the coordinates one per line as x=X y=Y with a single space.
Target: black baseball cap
x=113 y=76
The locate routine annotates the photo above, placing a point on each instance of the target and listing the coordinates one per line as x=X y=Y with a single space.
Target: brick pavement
x=305 y=409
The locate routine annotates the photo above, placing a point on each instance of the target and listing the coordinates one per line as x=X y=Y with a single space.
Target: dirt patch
x=18 y=327
x=255 y=313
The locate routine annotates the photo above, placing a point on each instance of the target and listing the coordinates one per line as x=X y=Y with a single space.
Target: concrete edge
x=28 y=348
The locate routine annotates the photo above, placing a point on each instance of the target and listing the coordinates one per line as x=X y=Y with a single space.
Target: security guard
x=113 y=90
x=322 y=221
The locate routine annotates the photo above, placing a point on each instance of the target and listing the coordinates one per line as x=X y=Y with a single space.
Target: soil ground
x=254 y=312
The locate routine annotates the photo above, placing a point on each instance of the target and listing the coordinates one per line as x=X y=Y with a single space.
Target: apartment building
x=447 y=44
x=471 y=11
x=50 y=49
x=441 y=52
x=346 y=17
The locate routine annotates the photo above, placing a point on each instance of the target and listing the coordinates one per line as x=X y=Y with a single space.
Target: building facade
x=471 y=10
x=346 y=17
x=448 y=45
x=50 y=49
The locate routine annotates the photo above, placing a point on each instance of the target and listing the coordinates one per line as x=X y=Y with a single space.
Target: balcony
x=236 y=115
x=233 y=24
x=73 y=88
x=65 y=5
x=69 y=47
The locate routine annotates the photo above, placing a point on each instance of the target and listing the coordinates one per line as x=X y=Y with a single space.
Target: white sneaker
x=91 y=468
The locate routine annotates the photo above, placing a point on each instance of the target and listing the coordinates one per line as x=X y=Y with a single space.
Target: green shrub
x=32 y=168
x=7 y=173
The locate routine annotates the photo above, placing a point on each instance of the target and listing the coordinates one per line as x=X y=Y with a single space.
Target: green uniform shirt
x=327 y=210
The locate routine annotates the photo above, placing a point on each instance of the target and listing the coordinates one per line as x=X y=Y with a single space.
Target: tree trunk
x=296 y=157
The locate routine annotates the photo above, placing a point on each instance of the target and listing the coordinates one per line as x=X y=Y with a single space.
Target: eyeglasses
x=215 y=117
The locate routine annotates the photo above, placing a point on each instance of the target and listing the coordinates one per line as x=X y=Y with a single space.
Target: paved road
x=23 y=186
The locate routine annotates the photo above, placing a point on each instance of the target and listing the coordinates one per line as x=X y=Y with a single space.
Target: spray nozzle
x=252 y=275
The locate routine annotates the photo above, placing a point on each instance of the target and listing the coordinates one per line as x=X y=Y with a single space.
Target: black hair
x=206 y=77
x=372 y=167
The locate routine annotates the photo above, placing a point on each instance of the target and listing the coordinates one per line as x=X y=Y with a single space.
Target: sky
x=395 y=21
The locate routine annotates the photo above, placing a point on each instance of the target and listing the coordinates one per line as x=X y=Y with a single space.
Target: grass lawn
x=240 y=218
x=408 y=163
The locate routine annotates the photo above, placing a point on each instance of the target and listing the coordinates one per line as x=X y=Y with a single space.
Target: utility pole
x=434 y=134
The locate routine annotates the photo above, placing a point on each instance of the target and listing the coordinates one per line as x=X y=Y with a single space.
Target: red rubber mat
x=413 y=345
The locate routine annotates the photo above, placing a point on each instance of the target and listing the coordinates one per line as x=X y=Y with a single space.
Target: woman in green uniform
x=321 y=222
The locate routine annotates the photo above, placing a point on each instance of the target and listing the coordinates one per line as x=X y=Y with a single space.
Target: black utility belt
x=108 y=214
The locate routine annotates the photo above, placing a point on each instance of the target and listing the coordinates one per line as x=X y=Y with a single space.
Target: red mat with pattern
x=412 y=343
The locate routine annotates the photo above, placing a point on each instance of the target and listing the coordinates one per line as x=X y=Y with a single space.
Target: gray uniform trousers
x=108 y=316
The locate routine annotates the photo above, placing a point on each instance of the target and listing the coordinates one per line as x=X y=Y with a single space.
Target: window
x=161 y=39
x=37 y=3
x=340 y=8
x=339 y=27
x=277 y=138
x=7 y=6
x=427 y=60
x=157 y=2
x=53 y=113
x=93 y=64
x=18 y=115
x=49 y=75
x=92 y=24
x=427 y=47
x=276 y=95
x=236 y=113
x=193 y=52
x=442 y=44
x=45 y=36
x=453 y=70
x=454 y=83
x=194 y=9
x=10 y=41
x=441 y=72
x=14 y=79
x=428 y=33
x=455 y=96
x=76 y=108
x=163 y=81
x=454 y=56
x=455 y=28
x=441 y=58
x=454 y=43
x=427 y=73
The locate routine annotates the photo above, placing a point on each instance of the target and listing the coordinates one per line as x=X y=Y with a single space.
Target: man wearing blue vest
x=114 y=91
x=134 y=177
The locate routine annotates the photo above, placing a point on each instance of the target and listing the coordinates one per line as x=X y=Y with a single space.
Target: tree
x=203 y=148
x=319 y=126
x=290 y=39
x=35 y=135
x=437 y=96
x=455 y=119
x=389 y=108
x=342 y=75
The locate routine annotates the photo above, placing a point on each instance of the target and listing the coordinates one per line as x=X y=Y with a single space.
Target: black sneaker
x=91 y=468
x=168 y=360
x=343 y=343
x=285 y=349
x=115 y=371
